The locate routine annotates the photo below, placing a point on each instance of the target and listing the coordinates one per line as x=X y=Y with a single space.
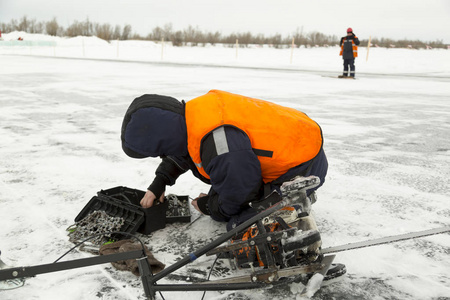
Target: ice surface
x=386 y=138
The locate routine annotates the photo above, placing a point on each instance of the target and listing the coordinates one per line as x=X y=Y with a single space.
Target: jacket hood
x=154 y=126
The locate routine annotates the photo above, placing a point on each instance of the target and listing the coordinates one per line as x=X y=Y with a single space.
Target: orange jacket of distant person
x=354 y=46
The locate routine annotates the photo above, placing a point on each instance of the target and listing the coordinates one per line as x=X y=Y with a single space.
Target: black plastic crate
x=133 y=216
x=178 y=209
x=154 y=217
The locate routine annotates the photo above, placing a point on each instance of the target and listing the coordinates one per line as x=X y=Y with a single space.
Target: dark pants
x=318 y=168
x=351 y=62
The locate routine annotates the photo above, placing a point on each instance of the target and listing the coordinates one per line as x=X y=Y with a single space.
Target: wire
x=209 y=275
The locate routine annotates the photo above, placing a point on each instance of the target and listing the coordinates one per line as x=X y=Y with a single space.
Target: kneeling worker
x=243 y=147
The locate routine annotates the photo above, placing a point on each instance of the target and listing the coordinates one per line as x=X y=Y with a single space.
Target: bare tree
x=35 y=27
x=299 y=38
x=4 y=27
x=117 y=32
x=14 y=25
x=229 y=39
x=193 y=35
x=126 y=32
x=213 y=37
x=245 y=38
x=157 y=34
x=167 y=31
x=276 y=40
x=103 y=31
x=23 y=24
x=259 y=39
x=51 y=27
x=177 y=38
x=136 y=36
x=75 y=29
x=87 y=28
x=319 y=39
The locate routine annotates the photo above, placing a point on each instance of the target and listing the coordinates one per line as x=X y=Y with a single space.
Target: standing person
x=243 y=147
x=349 y=51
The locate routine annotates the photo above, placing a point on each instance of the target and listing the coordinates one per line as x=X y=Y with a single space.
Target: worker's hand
x=149 y=198
x=194 y=202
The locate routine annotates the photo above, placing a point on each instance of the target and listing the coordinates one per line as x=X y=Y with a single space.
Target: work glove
x=201 y=204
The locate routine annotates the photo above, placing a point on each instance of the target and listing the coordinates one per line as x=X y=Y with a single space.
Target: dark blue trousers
x=349 y=62
x=319 y=168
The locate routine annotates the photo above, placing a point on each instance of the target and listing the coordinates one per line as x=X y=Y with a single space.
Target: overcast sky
x=427 y=20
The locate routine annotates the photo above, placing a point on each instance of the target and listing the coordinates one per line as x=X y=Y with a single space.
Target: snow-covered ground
x=386 y=137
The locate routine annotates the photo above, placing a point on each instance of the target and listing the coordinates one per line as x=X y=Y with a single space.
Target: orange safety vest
x=354 y=47
x=287 y=136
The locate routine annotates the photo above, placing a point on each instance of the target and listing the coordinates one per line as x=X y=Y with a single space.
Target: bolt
x=15 y=273
x=269 y=238
x=254 y=278
x=252 y=243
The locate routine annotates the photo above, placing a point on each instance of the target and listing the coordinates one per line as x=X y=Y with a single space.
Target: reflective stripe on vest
x=220 y=141
x=281 y=137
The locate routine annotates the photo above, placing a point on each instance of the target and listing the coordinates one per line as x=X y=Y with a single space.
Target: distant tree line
x=193 y=36
x=86 y=28
x=411 y=44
